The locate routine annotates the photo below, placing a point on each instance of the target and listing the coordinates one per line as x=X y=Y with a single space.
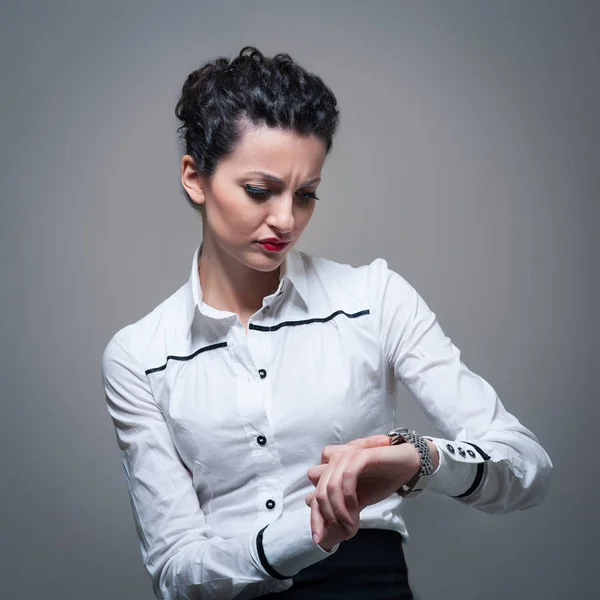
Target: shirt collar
x=292 y=271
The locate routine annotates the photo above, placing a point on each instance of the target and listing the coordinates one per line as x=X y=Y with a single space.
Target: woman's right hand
x=332 y=533
x=328 y=527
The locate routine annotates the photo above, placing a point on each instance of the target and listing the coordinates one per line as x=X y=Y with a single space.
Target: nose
x=281 y=216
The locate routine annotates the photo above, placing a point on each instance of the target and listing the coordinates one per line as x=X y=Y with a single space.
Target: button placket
x=238 y=348
x=267 y=466
x=264 y=452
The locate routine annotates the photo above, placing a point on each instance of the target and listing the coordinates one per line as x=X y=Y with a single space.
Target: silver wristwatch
x=415 y=486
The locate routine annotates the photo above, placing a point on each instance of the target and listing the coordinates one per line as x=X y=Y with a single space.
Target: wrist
x=434 y=453
x=428 y=458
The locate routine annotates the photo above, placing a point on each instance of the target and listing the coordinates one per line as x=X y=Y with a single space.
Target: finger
x=315 y=472
x=322 y=495
x=330 y=451
x=368 y=442
x=343 y=498
x=352 y=472
x=317 y=522
x=371 y=442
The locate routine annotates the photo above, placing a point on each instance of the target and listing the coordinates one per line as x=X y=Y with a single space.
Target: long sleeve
x=496 y=462
x=184 y=557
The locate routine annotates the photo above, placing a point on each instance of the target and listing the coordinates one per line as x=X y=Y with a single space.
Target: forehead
x=278 y=151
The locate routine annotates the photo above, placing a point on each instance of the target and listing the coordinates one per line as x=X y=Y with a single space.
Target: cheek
x=233 y=211
x=303 y=217
x=248 y=220
x=241 y=222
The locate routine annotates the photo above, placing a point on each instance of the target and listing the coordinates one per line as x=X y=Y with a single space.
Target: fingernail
x=315 y=538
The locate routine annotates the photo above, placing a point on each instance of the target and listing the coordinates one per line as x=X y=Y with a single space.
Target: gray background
x=467 y=156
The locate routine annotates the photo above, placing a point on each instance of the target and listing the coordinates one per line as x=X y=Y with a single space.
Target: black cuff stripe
x=263 y=559
x=481 y=452
x=478 y=478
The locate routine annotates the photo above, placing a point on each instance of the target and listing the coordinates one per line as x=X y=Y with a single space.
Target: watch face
x=397 y=431
x=398 y=435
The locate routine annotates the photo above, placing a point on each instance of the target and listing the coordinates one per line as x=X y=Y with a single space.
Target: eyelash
x=258 y=193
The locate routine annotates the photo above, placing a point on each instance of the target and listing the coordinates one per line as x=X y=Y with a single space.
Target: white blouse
x=217 y=427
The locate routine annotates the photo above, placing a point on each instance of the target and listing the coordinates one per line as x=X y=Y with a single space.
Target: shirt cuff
x=457 y=470
x=285 y=547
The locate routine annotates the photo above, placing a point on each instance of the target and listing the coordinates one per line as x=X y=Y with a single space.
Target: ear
x=191 y=180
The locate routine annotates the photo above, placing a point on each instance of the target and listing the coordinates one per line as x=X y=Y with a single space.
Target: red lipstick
x=273 y=244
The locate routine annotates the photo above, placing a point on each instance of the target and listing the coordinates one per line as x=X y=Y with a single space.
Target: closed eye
x=260 y=193
x=308 y=195
x=256 y=192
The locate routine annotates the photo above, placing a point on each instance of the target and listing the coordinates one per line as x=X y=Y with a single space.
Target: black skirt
x=369 y=566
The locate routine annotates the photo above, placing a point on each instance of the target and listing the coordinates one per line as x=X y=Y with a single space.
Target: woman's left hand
x=355 y=475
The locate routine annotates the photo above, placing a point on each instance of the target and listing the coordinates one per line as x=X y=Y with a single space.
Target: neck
x=230 y=285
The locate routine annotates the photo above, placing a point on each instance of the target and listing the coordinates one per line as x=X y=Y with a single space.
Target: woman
x=251 y=407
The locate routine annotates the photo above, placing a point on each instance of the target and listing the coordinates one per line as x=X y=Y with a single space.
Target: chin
x=266 y=265
x=262 y=262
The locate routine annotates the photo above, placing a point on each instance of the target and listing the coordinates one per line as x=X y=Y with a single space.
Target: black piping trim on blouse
x=308 y=321
x=478 y=478
x=205 y=349
x=263 y=558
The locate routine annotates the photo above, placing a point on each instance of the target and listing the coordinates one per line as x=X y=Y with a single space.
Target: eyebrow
x=280 y=181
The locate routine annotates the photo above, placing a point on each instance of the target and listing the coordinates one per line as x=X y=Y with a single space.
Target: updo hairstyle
x=222 y=96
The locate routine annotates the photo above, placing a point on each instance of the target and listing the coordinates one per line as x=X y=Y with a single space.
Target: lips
x=273 y=245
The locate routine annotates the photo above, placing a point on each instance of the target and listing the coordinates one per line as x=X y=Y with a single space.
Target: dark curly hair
x=222 y=95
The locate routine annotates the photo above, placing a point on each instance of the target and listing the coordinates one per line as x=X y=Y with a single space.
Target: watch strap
x=416 y=485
